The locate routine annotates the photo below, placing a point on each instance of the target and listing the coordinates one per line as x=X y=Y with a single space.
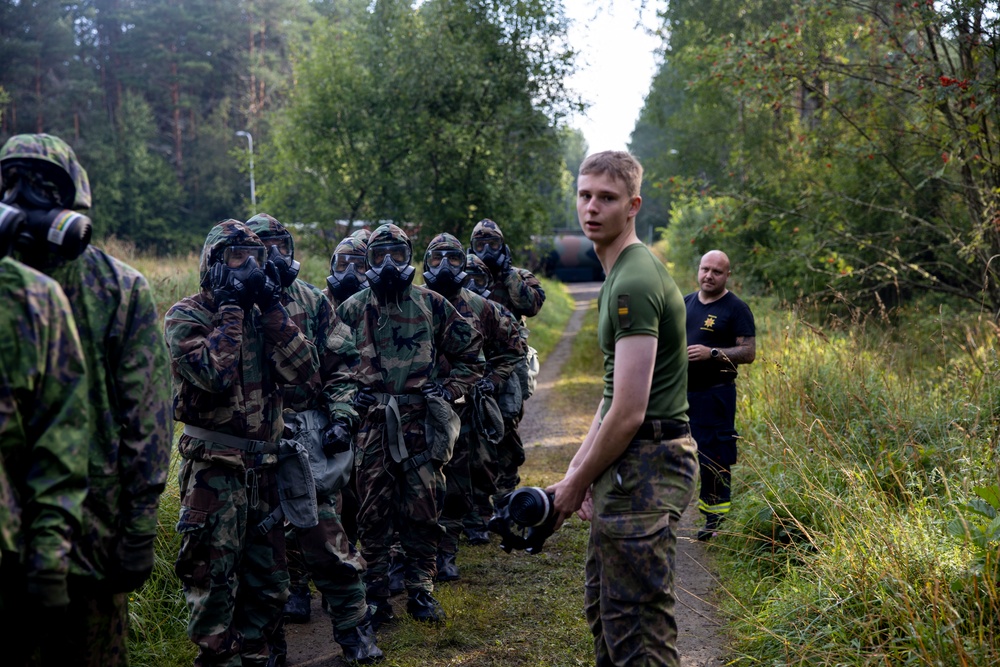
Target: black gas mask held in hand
x=241 y=285
x=524 y=519
x=286 y=265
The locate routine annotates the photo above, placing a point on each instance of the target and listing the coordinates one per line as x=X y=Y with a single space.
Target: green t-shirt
x=640 y=298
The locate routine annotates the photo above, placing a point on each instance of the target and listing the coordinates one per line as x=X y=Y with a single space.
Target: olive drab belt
x=233 y=441
x=394 y=428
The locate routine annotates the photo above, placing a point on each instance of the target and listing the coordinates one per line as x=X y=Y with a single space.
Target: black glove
x=134 y=556
x=337 y=438
x=270 y=294
x=364 y=400
x=436 y=389
x=503 y=261
x=225 y=290
x=486 y=386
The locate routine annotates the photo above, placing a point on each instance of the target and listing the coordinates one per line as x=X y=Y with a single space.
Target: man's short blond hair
x=620 y=165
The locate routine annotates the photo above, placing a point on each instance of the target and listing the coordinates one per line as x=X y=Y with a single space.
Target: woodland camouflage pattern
x=638 y=501
x=43 y=431
x=227 y=369
x=335 y=564
x=402 y=342
x=128 y=404
x=519 y=291
x=503 y=349
x=55 y=151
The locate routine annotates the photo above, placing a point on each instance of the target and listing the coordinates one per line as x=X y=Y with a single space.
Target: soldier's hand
x=436 y=389
x=364 y=400
x=486 y=386
x=503 y=261
x=134 y=556
x=224 y=290
x=337 y=438
x=270 y=293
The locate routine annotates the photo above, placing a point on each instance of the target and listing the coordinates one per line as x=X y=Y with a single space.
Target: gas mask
x=490 y=249
x=279 y=253
x=50 y=234
x=239 y=271
x=524 y=519
x=347 y=275
x=444 y=270
x=390 y=271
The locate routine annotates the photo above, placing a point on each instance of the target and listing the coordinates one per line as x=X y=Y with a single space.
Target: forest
x=843 y=149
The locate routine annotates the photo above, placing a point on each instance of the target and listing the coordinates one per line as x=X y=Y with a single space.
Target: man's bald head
x=713 y=272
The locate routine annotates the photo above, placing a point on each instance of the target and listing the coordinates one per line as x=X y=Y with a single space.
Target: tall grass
x=860 y=446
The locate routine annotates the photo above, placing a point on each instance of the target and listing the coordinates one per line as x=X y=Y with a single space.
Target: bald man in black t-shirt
x=721 y=335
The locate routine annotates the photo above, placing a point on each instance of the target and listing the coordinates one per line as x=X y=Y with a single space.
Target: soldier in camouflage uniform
x=127 y=401
x=232 y=346
x=503 y=348
x=402 y=332
x=325 y=401
x=520 y=292
x=43 y=456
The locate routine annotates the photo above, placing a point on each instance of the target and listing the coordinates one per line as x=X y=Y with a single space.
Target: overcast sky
x=616 y=64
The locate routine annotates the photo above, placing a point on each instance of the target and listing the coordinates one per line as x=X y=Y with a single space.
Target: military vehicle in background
x=569 y=257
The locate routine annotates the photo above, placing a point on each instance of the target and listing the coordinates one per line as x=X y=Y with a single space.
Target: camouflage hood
x=361 y=235
x=56 y=160
x=265 y=226
x=487 y=227
x=226 y=233
x=389 y=233
x=445 y=241
x=351 y=246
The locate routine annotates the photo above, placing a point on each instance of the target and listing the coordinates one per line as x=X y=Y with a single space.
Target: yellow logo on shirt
x=709 y=323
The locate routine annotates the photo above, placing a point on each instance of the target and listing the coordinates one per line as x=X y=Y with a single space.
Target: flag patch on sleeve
x=624 y=316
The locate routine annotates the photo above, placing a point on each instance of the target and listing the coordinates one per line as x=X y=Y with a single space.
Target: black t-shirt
x=715 y=324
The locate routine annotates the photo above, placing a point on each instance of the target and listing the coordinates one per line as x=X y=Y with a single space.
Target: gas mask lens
x=455 y=258
x=282 y=243
x=237 y=255
x=397 y=253
x=480 y=244
x=479 y=280
x=342 y=263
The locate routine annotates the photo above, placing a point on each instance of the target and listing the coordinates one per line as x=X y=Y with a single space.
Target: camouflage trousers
x=483 y=472
x=398 y=497
x=329 y=557
x=91 y=632
x=510 y=457
x=235 y=579
x=458 y=497
x=629 y=590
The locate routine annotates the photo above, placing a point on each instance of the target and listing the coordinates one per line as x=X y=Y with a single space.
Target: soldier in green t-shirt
x=635 y=472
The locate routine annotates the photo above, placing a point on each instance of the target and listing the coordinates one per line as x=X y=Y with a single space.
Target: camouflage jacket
x=520 y=292
x=400 y=342
x=43 y=422
x=128 y=401
x=332 y=388
x=503 y=346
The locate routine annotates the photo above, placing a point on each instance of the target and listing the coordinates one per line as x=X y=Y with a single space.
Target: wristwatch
x=714 y=352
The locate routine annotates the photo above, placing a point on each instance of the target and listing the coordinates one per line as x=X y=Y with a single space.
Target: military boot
x=381 y=612
x=358 y=643
x=711 y=529
x=447 y=567
x=298 y=609
x=476 y=537
x=423 y=607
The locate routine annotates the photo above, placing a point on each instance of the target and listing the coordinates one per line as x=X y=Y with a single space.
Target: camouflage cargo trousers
x=629 y=591
x=510 y=457
x=235 y=578
x=335 y=565
x=398 y=497
x=458 y=497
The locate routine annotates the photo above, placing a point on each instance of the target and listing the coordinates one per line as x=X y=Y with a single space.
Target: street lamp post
x=253 y=191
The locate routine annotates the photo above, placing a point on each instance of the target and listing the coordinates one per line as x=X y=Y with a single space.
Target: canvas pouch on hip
x=487 y=419
x=296 y=488
x=330 y=474
x=511 y=397
x=441 y=428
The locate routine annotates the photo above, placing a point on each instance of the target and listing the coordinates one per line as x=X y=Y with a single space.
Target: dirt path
x=699 y=627
x=699 y=640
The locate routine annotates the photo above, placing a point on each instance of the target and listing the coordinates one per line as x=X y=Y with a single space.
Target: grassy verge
x=548 y=325
x=863 y=446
